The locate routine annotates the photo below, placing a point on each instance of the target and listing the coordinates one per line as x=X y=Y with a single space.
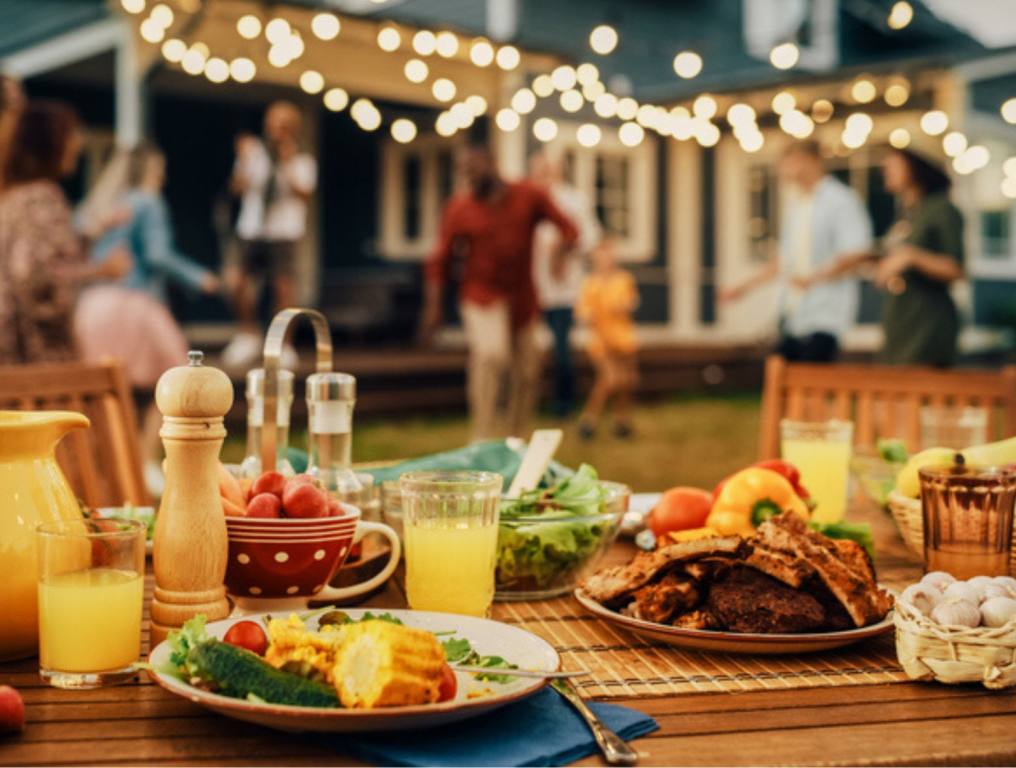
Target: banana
x=998 y=454
x=908 y=482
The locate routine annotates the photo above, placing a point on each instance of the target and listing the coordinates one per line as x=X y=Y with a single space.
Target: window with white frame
x=620 y=184
x=416 y=180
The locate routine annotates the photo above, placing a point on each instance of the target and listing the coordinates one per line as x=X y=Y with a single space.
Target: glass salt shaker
x=330 y=401
x=251 y=466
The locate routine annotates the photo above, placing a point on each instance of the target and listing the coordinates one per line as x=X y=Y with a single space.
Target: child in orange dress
x=607 y=300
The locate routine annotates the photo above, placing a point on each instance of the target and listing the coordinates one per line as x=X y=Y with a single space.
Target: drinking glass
x=450 y=530
x=953 y=427
x=968 y=519
x=821 y=452
x=91 y=586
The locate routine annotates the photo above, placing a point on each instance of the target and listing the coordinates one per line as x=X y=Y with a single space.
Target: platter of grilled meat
x=786 y=589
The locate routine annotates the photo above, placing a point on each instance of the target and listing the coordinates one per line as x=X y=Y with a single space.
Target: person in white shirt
x=825 y=220
x=558 y=274
x=274 y=180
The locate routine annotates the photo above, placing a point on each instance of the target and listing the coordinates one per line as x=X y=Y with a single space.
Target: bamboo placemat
x=625 y=664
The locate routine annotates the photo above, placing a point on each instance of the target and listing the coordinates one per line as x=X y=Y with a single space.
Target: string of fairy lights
x=573 y=88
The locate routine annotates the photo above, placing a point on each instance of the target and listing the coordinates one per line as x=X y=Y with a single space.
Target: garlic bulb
x=954 y=612
x=923 y=597
x=998 y=590
x=979 y=584
x=962 y=590
x=938 y=579
x=1006 y=581
x=998 y=611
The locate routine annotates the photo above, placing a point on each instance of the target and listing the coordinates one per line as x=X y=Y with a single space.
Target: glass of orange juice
x=450 y=532
x=821 y=452
x=91 y=586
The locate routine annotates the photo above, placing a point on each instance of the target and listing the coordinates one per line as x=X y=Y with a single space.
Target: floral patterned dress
x=40 y=254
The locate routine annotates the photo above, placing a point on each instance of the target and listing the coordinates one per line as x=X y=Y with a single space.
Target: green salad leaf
x=458 y=650
x=181 y=643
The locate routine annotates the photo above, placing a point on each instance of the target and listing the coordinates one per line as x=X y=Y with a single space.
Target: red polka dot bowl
x=280 y=564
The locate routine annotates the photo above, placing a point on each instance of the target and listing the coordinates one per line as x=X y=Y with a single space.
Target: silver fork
x=615 y=750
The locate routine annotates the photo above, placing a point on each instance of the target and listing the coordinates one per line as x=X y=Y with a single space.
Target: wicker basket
x=907 y=514
x=928 y=651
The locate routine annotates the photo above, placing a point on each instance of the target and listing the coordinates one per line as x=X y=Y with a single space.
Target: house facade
x=693 y=203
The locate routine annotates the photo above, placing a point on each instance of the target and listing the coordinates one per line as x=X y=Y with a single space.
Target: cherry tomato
x=249 y=635
x=449 y=684
x=679 y=509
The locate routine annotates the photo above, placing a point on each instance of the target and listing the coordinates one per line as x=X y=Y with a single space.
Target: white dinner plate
x=488 y=638
x=721 y=641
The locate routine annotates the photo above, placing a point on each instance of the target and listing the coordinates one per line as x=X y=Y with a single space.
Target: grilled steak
x=749 y=601
x=659 y=601
x=789 y=569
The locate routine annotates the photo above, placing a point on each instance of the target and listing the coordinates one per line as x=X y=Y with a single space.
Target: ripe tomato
x=679 y=509
x=249 y=635
x=449 y=684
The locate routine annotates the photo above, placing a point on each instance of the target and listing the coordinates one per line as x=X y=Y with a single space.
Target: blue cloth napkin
x=541 y=730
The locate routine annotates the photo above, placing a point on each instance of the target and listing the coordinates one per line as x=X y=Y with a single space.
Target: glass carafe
x=330 y=401
x=251 y=466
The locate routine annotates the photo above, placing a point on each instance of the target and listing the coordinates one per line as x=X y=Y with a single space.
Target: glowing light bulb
x=403 y=130
x=462 y=115
x=593 y=91
x=193 y=62
x=507 y=119
x=477 y=104
x=242 y=69
x=277 y=31
x=217 y=70
x=508 y=57
x=443 y=89
x=797 y=124
x=707 y=134
x=740 y=113
x=977 y=156
x=294 y=46
x=445 y=125
x=934 y=122
x=388 y=39
x=784 y=55
x=900 y=15
x=162 y=15
x=312 y=81
x=896 y=95
x=543 y=86
x=278 y=57
x=899 y=138
x=603 y=39
x=133 y=6
x=248 y=26
x=201 y=48
x=704 y=106
x=631 y=134
x=1009 y=187
x=627 y=108
x=822 y=111
x=588 y=135
x=752 y=142
x=646 y=116
x=858 y=123
x=151 y=31
x=325 y=26
x=681 y=124
x=424 y=42
x=545 y=129
x=564 y=77
x=863 y=91
x=1009 y=166
x=1008 y=110
x=173 y=50
x=605 y=105
x=416 y=71
x=446 y=44
x=571 y=101
x=954 y=143
x=481 y=53
x=524 y=101
x=336 y=99
x=587 y=73
x=783 y=101
x=687 y=64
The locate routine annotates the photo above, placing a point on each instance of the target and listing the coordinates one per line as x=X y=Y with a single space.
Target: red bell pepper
x=784 y=469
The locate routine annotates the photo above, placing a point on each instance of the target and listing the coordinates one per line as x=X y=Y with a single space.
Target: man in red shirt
x=491 y=227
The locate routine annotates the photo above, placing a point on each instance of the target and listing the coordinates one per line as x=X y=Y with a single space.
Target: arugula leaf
x=456 y=649
x=368 y=616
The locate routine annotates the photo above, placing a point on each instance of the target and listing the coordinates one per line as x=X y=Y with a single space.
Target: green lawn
x=685 y=441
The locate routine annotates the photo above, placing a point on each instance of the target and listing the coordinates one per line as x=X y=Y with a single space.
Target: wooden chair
x=882 y=401
x=103 y=463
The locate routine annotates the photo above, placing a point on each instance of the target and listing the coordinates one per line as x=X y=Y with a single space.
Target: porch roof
x=28 y=22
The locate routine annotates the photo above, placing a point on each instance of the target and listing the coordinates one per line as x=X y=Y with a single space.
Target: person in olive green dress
x=920 y=256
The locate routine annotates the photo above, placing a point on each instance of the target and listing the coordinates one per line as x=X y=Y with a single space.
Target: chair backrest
x=882 y=401
x=103 y=463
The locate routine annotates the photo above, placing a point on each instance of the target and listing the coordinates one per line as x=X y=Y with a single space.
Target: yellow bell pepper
x=751 y=497
x=689 y=534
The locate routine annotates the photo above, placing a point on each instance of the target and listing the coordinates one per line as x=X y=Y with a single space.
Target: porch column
x=127 y=85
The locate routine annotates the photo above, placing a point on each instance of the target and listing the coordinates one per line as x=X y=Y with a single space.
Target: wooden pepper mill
x=190 y=548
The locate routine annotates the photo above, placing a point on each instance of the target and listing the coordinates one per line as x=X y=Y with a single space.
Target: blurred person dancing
x=607 y=300
x=918 y=259
x=130 y=319
x=43 y=260
x=274 y=180
x=492 y=226
x=558 y=274
x=824 y=221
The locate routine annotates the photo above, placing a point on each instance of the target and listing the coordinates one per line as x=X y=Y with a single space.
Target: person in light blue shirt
x=825 y=221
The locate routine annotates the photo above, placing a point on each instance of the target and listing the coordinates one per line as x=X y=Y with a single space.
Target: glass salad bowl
x=549 y=540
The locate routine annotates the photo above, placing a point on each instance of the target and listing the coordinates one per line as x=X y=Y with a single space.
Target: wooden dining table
x=901 y=723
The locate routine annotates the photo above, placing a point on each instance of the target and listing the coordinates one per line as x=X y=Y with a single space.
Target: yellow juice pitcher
x=33 y=490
